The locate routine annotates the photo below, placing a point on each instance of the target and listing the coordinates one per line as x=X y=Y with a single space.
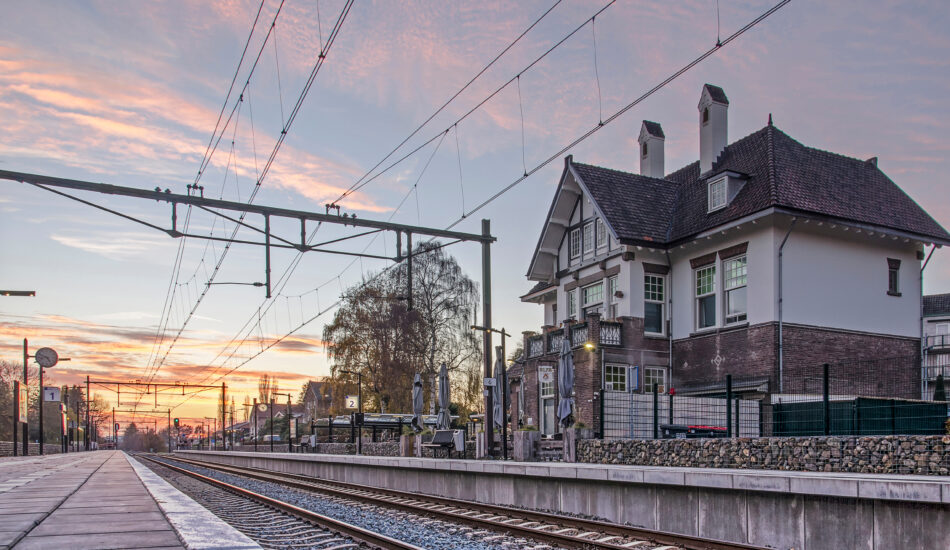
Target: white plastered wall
x=838 y=279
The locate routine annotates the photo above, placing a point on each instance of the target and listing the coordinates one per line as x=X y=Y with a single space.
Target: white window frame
x=613 y=301
x=717 y=193
x=697 y=295
x=733 y=281
x=547 y=385
x=647 y=388
x=601 y=234
x=944 y=326
x=588 y=240
x=571 y=303
x=574 y=243
x=647 y=299
x=614 y=373
x=896 y=274
x=584 y=290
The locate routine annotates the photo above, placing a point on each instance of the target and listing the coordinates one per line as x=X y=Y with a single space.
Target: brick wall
x=6 y=448
x=752 y=351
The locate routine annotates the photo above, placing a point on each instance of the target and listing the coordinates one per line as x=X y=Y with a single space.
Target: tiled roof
x=779 y=172
x=654 y=129
x=937 y=304
x=717 y=94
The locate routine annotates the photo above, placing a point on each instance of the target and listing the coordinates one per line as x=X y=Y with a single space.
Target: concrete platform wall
x=804 y=511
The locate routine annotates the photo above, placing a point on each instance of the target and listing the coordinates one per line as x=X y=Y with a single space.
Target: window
x=717 y=194
x=612 y=299
x=592 y=298
x=706 y=297
x=942 y=328
x=593 y=294
x=705 y=115
x=571 y=303
x=893 y=277
x=654 y=376
x=644 y=148
x=734 y=284
x=588 y=237
x=546 y=376
x=601 y=233
x=653 y=294
x=575 y=243
x=615 y=377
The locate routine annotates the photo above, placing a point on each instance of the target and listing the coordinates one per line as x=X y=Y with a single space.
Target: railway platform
x=101 y=500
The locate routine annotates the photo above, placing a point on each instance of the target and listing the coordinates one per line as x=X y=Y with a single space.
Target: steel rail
x=371 y=538
x=353 y=490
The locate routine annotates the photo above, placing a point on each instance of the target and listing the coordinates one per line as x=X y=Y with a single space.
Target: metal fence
x=855 y=398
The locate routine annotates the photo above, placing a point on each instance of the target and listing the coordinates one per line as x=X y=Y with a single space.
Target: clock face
x=46 y=357
x=262 y=407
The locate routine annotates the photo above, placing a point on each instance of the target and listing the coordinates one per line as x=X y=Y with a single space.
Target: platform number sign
x=352 y=402
x=51 y=394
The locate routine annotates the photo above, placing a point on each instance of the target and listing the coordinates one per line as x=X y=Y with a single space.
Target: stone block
x=723 y=515
x=776 y=520
x=832 y=522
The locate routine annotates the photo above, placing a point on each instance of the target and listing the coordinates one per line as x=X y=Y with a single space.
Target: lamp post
x=46 y=358
x=359 y=398
x=504 y=396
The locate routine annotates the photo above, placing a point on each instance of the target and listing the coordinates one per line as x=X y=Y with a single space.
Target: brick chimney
x=651 y=149
x=713 y=126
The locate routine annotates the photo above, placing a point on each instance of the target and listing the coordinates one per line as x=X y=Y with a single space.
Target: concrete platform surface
x=91 y=500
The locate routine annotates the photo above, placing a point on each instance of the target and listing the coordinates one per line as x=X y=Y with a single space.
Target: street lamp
x=359 y=398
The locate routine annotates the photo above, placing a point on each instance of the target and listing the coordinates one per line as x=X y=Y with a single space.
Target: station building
x=761 y=259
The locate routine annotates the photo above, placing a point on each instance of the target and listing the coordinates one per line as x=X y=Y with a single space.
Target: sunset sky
x=128 y=93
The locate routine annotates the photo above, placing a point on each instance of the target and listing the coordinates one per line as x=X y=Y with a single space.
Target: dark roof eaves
x=568 y=160
x=941 y=241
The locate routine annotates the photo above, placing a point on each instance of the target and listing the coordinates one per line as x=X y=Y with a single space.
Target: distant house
x=317 y=398
x=936 y=345
x=761 y=259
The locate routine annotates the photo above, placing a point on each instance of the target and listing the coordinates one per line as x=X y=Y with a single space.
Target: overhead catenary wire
x=353 y=188
x=277 y=146
x=549 y=159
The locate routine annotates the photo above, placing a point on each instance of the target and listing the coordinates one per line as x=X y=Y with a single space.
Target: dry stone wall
x=921 y=455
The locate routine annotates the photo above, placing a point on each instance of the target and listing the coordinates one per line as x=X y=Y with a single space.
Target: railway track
x=279 y=525
x=557 y=530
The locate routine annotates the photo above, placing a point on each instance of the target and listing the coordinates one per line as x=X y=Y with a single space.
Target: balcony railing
x=535 y=346
x=937 y=341
x=555 y=337
x=578 y=335
x=610 y=334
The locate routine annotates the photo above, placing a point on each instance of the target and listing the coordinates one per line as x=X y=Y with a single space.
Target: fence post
x=330 y=430
x=602 y=420
x=738 y=434
x=728 y=405
x=671 y=407
x=656 y=413
x=824 y=396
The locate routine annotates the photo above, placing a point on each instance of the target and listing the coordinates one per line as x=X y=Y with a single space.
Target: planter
x=525 y=444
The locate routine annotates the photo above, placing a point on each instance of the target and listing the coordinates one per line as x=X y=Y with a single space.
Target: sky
x=129 y=94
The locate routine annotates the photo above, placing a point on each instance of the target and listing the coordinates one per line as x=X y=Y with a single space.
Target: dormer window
x=717 y=194
x=705 y=115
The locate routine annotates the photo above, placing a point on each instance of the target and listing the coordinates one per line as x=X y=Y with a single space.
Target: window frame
x=742 y=317
x=542 y=384
x=723 y=181
x=601 y=234
x=618 y=370
x=661 y=301
x=697 y=296
x=613 y=302
x=584 y=300
x=588 y=244
x=572 y=303
x=574 y=243
x=937 y=326
x=893 y=277
x=663 y=385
